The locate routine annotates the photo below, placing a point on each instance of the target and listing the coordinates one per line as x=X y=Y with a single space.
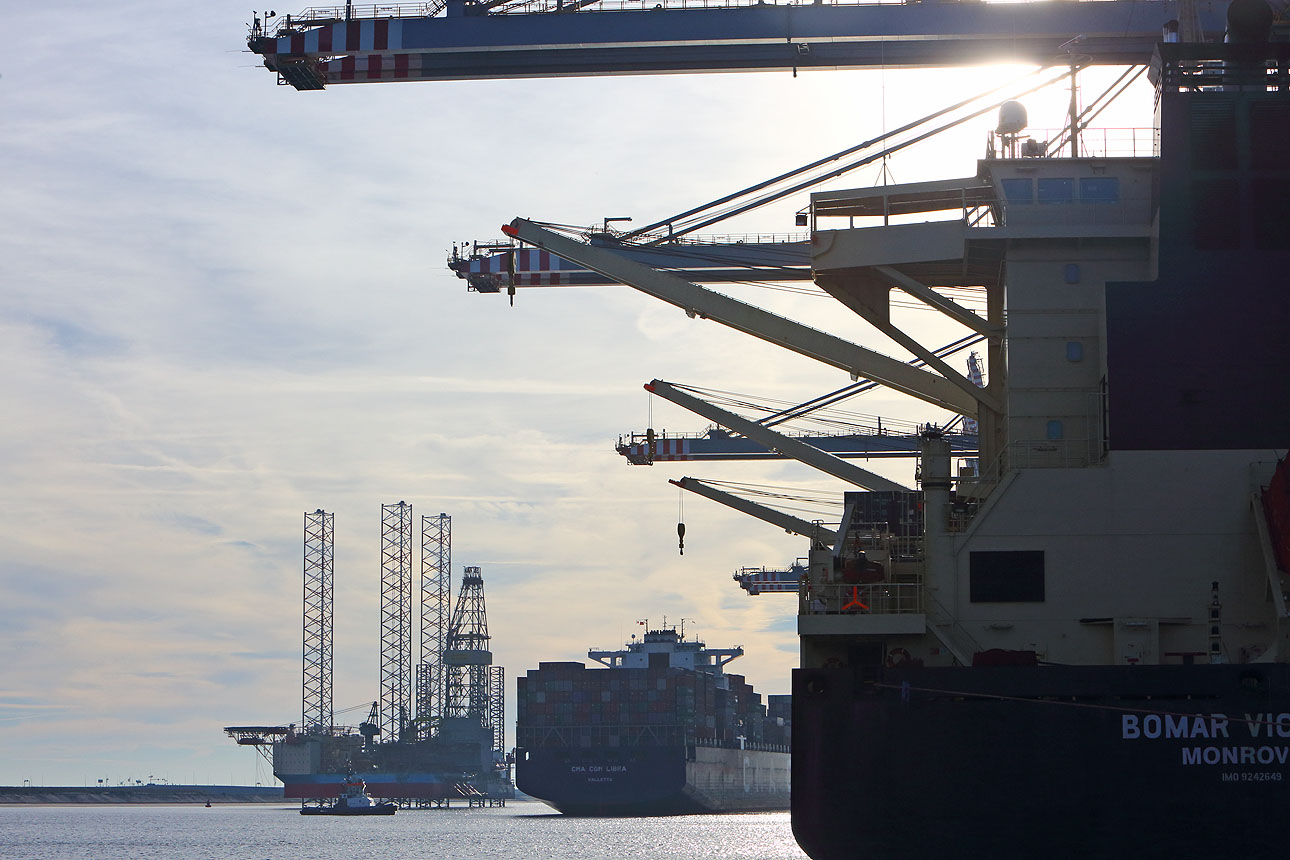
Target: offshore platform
x=436 y=734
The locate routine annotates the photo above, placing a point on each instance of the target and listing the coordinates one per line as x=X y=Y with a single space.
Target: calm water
x=526 y=830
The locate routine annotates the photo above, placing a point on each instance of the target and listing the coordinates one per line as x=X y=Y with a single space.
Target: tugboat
x=353 y=800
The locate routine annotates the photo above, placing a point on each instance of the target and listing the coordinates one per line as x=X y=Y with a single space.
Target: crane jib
x=458 y=46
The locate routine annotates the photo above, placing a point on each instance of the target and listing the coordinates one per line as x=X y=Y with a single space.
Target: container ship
x=661 y=729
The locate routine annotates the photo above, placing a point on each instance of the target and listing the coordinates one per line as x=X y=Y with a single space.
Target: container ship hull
x=673 y=780
x=1088 y=761
x=660 y=730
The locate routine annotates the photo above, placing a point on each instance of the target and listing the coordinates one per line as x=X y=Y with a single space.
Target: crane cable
x=829 y=159
x=846 y=168
x=803 y=411
x=812 y=502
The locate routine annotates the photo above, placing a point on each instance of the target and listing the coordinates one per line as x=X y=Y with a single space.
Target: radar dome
x=1012 y=117
x=1249 y=21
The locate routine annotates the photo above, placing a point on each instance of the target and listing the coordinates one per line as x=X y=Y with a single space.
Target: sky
x=224 y=303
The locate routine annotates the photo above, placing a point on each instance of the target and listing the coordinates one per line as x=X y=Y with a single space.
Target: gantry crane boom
x=493 y=268
x=646 y=449
x=788 y=445
x=552 y=38
x=696 y=301
x=789 y=523
x=873 y=441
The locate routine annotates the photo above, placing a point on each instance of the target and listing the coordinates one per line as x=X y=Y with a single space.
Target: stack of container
x=629 y=707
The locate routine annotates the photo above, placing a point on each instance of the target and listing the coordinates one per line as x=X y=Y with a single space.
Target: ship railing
x=974 y=488
x=317 y=16
x=735 y=238
x=884 y=537
x=1064 y=205
x=1191 y=67
x=860 y=209
x=906 y=548
x=1133 y=142
x=1055 y=453
x=756 y=746
x=952 y=634
x=570 y=6
x=868 y=598
x=883 y=428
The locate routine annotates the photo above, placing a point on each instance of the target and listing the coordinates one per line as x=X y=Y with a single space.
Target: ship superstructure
x=661 y=729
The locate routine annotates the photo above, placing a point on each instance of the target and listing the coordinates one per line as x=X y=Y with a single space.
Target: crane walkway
x=645 y=449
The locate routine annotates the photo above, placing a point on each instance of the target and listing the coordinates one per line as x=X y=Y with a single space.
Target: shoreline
x=135 y=795
x=24 y=804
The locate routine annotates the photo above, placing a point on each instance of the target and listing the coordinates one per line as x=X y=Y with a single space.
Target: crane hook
x=680 y=534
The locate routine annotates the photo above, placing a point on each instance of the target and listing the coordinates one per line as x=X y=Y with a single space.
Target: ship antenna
x=1069 y=47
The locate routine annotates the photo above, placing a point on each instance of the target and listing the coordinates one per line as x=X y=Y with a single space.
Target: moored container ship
x=661 y=729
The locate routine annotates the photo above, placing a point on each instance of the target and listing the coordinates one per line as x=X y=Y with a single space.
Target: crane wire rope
x=848 y=421
x=1095 y=108
x=868 y=385
x=968 y=295
x=822 y=162
x=770 y=197
x=806 y=501
x=807 y=411
x=962 y=293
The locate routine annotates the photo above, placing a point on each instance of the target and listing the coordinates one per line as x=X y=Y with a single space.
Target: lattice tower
x=436 y=608
x=396 y=620
x=497 y=712
x=467 y=658
x=316 y=713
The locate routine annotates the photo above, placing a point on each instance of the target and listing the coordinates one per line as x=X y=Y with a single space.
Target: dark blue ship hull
x=1111 y=762
x=668 y=780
